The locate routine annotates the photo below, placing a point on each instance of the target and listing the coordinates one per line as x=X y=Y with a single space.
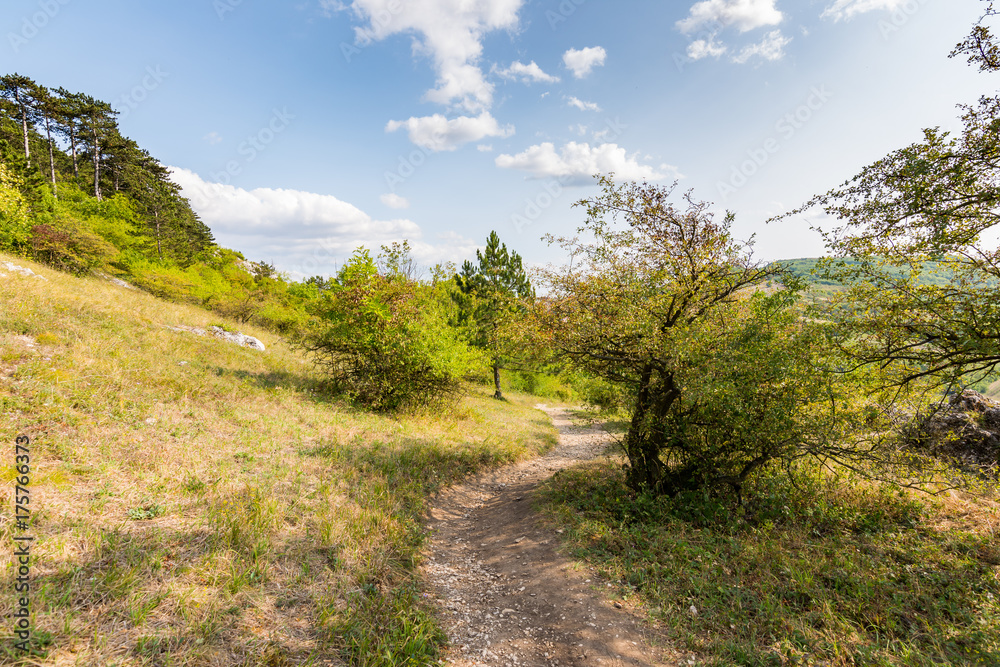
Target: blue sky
x=302 y=130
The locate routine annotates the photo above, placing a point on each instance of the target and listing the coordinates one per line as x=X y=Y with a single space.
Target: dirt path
x=505 y=595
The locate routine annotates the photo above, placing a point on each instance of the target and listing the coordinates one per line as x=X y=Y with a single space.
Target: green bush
x=15 y=219
x=385 y=340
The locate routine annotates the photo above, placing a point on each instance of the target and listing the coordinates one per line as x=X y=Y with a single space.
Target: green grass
x=223 y=510
x=823 y=572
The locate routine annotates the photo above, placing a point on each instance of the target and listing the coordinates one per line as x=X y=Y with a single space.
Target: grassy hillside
x=932 y=273
x=198 y=503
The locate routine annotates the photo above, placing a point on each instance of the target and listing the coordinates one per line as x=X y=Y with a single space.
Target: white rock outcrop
x=14 y=268
x=234 y=337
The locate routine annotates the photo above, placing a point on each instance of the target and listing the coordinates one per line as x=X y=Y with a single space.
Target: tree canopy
x=928 y=204
x=720 y=375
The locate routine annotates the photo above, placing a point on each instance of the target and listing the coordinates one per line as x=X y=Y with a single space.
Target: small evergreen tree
x=492 y=294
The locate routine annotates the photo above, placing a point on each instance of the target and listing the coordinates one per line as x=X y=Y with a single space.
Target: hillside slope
x=195 y=502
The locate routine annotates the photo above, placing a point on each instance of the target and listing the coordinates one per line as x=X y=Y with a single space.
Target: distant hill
x=935 y=273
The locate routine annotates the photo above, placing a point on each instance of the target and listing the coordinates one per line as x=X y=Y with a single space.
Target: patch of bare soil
x=505 y=594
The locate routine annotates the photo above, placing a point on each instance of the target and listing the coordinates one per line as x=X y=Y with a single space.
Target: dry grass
x=197 y=503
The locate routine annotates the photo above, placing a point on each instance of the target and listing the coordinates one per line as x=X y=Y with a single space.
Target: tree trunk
x=24 y=124
x=52 y=159
x=645 y=468
x=97 y=166
x=72 y=146
x=159 y=250
x=496 y=382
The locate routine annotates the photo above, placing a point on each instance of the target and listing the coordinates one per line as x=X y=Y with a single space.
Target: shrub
x=15 y=218
x=69 y=245
x=385 y=341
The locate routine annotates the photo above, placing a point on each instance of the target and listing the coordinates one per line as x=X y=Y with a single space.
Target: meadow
x=199 y=503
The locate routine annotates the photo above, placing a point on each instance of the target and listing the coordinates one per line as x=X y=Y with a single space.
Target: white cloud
x=228 y=209
x=437 y=133
x=582 y=61
x=578 y=162
x=530 y=73
x=485 y=148
x=450 y=32
x=581 y=105
x=772 y=48
x=845 y=9
x=392 y=200
x=704 y=48
x=713 y=15
x=303 y=233
x=213 y=138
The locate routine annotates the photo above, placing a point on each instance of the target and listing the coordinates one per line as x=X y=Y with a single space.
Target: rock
x=20 y=269
x=116 y=281
x=237 y=337
x=234 y=337
x=965 y=431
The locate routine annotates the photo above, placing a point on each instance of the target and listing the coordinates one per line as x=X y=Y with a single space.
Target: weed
x=145 y=512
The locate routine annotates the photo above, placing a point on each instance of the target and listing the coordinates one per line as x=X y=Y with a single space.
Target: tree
x=397 y=260
x=71 y=110
x=17 y=88
x=720 y=375
x=98 y=120
x=920 y=209
x=384 y=341
x=48 y=108
x=495 y=291
x=15 y=215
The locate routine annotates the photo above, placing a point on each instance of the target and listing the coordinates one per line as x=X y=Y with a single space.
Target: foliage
x=384 y=340
x=69 y=245
x=492 y=296
x=15 y=221
x=721 y=378
x=929 y=203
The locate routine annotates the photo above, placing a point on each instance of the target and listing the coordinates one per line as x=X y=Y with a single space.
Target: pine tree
x=493 y=292
x=17 y=88
x=71 y=107
x=48 y=110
